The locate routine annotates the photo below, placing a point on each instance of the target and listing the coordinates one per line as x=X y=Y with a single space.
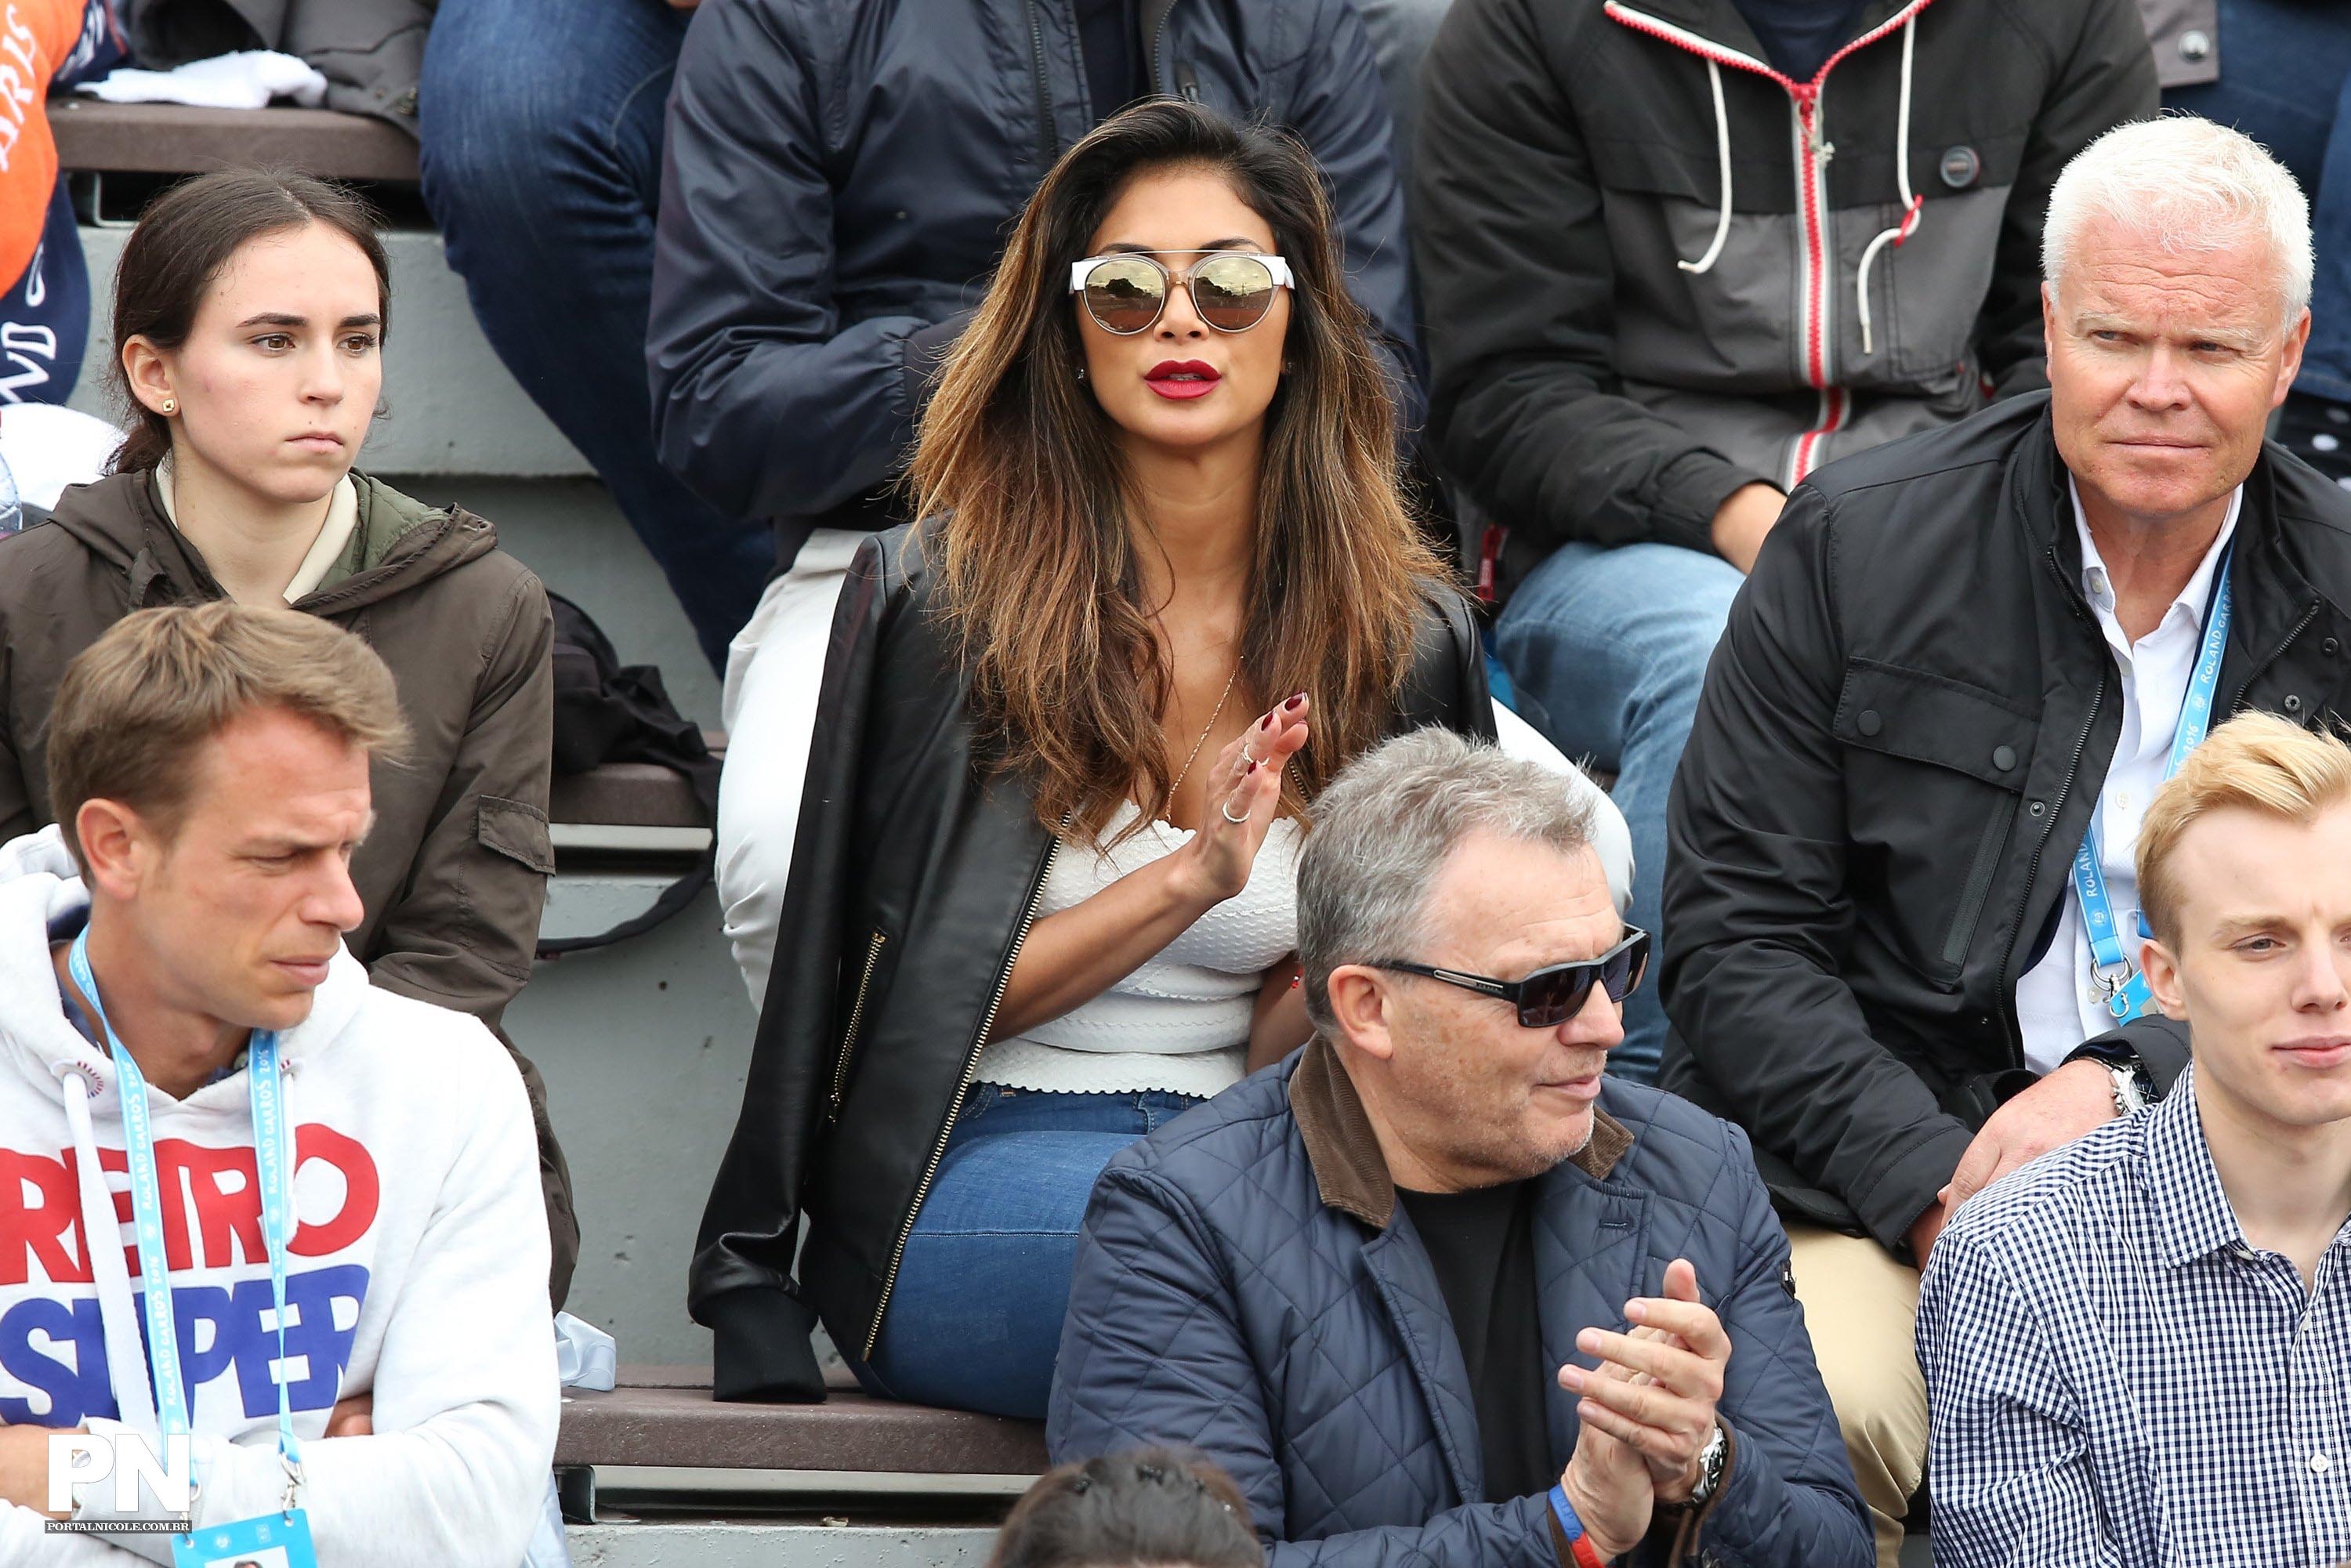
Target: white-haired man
x=1899 y=897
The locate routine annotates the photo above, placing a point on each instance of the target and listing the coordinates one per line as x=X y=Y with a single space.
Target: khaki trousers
x=1862 y=1307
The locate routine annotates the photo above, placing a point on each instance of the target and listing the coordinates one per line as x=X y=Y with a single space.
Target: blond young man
x=2135 y=1346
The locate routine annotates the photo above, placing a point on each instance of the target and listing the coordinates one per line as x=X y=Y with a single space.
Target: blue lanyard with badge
x=2123 y=989
x=288 y=1531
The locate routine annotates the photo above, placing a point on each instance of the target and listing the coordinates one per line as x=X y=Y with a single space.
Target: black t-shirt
x=1799 y=36
x=1109 y=36
x=1482 y=1243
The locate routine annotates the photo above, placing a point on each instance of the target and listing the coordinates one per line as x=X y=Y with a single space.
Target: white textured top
x=1181 y=1022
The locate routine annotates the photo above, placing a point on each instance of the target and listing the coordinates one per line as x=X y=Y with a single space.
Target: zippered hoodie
x=1655 y=268
x=418 y=1267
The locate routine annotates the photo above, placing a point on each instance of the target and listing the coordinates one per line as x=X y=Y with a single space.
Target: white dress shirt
x=2058 y=1004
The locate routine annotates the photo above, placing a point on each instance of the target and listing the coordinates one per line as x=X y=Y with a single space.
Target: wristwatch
x=2133 y=1088
x=1709 y=1468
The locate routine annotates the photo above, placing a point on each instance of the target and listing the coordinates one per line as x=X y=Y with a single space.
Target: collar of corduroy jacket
x=1349 y=1169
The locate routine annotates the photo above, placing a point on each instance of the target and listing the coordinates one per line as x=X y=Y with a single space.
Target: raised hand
x=1244 y=789
x=1656 y=1388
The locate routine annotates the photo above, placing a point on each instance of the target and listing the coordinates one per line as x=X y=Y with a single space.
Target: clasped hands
x=1648 y=1411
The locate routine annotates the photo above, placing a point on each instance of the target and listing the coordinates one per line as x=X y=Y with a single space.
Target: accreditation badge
x=275 y=1540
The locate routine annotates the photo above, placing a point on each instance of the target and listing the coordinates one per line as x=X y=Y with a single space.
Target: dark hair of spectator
x=1153 y=1509
x=186 y=236
x=1039 y=571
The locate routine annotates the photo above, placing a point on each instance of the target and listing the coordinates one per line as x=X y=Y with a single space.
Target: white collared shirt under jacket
x=2058 y=1003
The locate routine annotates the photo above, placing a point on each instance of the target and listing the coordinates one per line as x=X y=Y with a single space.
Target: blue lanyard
x=2126 y=993
x=273 y=1155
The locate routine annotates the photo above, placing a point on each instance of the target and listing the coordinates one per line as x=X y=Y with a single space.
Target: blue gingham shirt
x=2117 y=1376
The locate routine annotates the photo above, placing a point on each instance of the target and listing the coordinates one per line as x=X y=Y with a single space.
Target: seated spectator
x=1385 y=1286
x=2136 y=1345
x=834 y=199
x=249 y=315
x=1154 y=1507
x=2280 y=72
x=173 y=943
x=1647 y=320
x=1040 y=899
x=1902 y=831
x=539 y=125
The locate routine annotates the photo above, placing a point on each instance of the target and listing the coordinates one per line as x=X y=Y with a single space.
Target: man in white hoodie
x=211 y=769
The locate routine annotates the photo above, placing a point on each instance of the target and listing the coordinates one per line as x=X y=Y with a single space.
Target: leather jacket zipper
x=1049 y=139
x=970 y=1064
x=856 y=1016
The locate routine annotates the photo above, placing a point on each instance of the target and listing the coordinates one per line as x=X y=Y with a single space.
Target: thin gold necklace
x=1214 y=715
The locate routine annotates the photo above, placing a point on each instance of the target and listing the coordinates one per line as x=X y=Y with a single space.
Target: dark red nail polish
x=1293 y=702
x=1266 y=723
x=1252 y=766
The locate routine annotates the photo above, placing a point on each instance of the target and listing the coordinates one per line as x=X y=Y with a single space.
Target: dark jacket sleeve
x=1340 y=112
x=17 y=814
x=464 y=929
x=763 y=401
x=1756 y=912
x=2107 y=78
x=1152 y=1353
x=2159 y=1043
x=1788 y=1496
x=741 y=1282
x=1518 y=282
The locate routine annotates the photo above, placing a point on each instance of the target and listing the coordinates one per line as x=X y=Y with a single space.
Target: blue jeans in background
x=2285 y=81
x=541 y=129
x=1612 y=646
x=975 y=1319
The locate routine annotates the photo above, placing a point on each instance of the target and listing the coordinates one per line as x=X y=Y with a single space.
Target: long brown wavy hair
x=1038 y=575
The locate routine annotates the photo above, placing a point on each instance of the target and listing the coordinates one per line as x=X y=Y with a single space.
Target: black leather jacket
x=915 y=878
x=1901 y=738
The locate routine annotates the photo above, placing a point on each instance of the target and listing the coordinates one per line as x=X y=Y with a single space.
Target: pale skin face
x=1167 y=215
x=2259 y=962
x=281 y=372
x=2163 y=369
x=236 y=910
x=1460 y=1093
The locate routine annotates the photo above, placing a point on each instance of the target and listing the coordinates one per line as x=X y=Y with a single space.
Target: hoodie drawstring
x=1722 y=151
x=1911 y=203
x=110 y=1266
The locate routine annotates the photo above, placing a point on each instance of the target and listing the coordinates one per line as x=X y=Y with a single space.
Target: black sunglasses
x=1549 y=997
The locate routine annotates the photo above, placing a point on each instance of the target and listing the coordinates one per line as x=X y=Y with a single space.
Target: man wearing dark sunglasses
x=1437 y=1288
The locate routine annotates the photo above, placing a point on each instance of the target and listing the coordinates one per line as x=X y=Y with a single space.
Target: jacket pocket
x=517 y=831
x=856 y=1018
x=1933 y=772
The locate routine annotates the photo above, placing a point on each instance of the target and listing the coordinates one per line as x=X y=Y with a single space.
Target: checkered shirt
x=2117 y=1377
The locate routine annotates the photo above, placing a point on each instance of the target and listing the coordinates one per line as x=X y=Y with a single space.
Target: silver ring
x=1247 y=756
x=1226 y=811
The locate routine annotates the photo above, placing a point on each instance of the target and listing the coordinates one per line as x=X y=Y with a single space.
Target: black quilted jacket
x=1246 y=1284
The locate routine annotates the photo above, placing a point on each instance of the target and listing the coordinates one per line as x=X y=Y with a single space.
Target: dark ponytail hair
x=184 y=240
x=1153 y=1507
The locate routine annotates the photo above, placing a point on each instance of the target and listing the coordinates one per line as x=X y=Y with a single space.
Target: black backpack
x=606 y=711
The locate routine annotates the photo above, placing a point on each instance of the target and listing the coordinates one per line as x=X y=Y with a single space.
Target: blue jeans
x=541 y=130
x=1612 y=645
x=2285 y=81
x=975 y=1319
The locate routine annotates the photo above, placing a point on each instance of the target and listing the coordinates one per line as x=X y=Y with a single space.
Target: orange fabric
x=35 y=37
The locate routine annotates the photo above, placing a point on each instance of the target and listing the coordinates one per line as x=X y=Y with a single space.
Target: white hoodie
x=418 y=1268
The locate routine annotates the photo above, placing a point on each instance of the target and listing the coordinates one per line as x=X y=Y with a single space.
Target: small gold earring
x=171 y=405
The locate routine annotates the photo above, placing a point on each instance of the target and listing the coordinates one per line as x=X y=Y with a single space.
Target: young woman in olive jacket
x=249 y=316
x=1041 y=897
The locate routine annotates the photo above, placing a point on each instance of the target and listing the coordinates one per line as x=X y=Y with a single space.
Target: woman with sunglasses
x=1041 y=896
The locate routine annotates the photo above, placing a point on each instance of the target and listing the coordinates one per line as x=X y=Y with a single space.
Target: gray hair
x=2190 y=187
x=1384 y=829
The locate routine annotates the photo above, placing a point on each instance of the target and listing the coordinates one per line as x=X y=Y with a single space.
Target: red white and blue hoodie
x=418 y=1269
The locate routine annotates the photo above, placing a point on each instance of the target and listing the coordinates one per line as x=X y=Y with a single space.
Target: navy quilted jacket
x=1247 y=1285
